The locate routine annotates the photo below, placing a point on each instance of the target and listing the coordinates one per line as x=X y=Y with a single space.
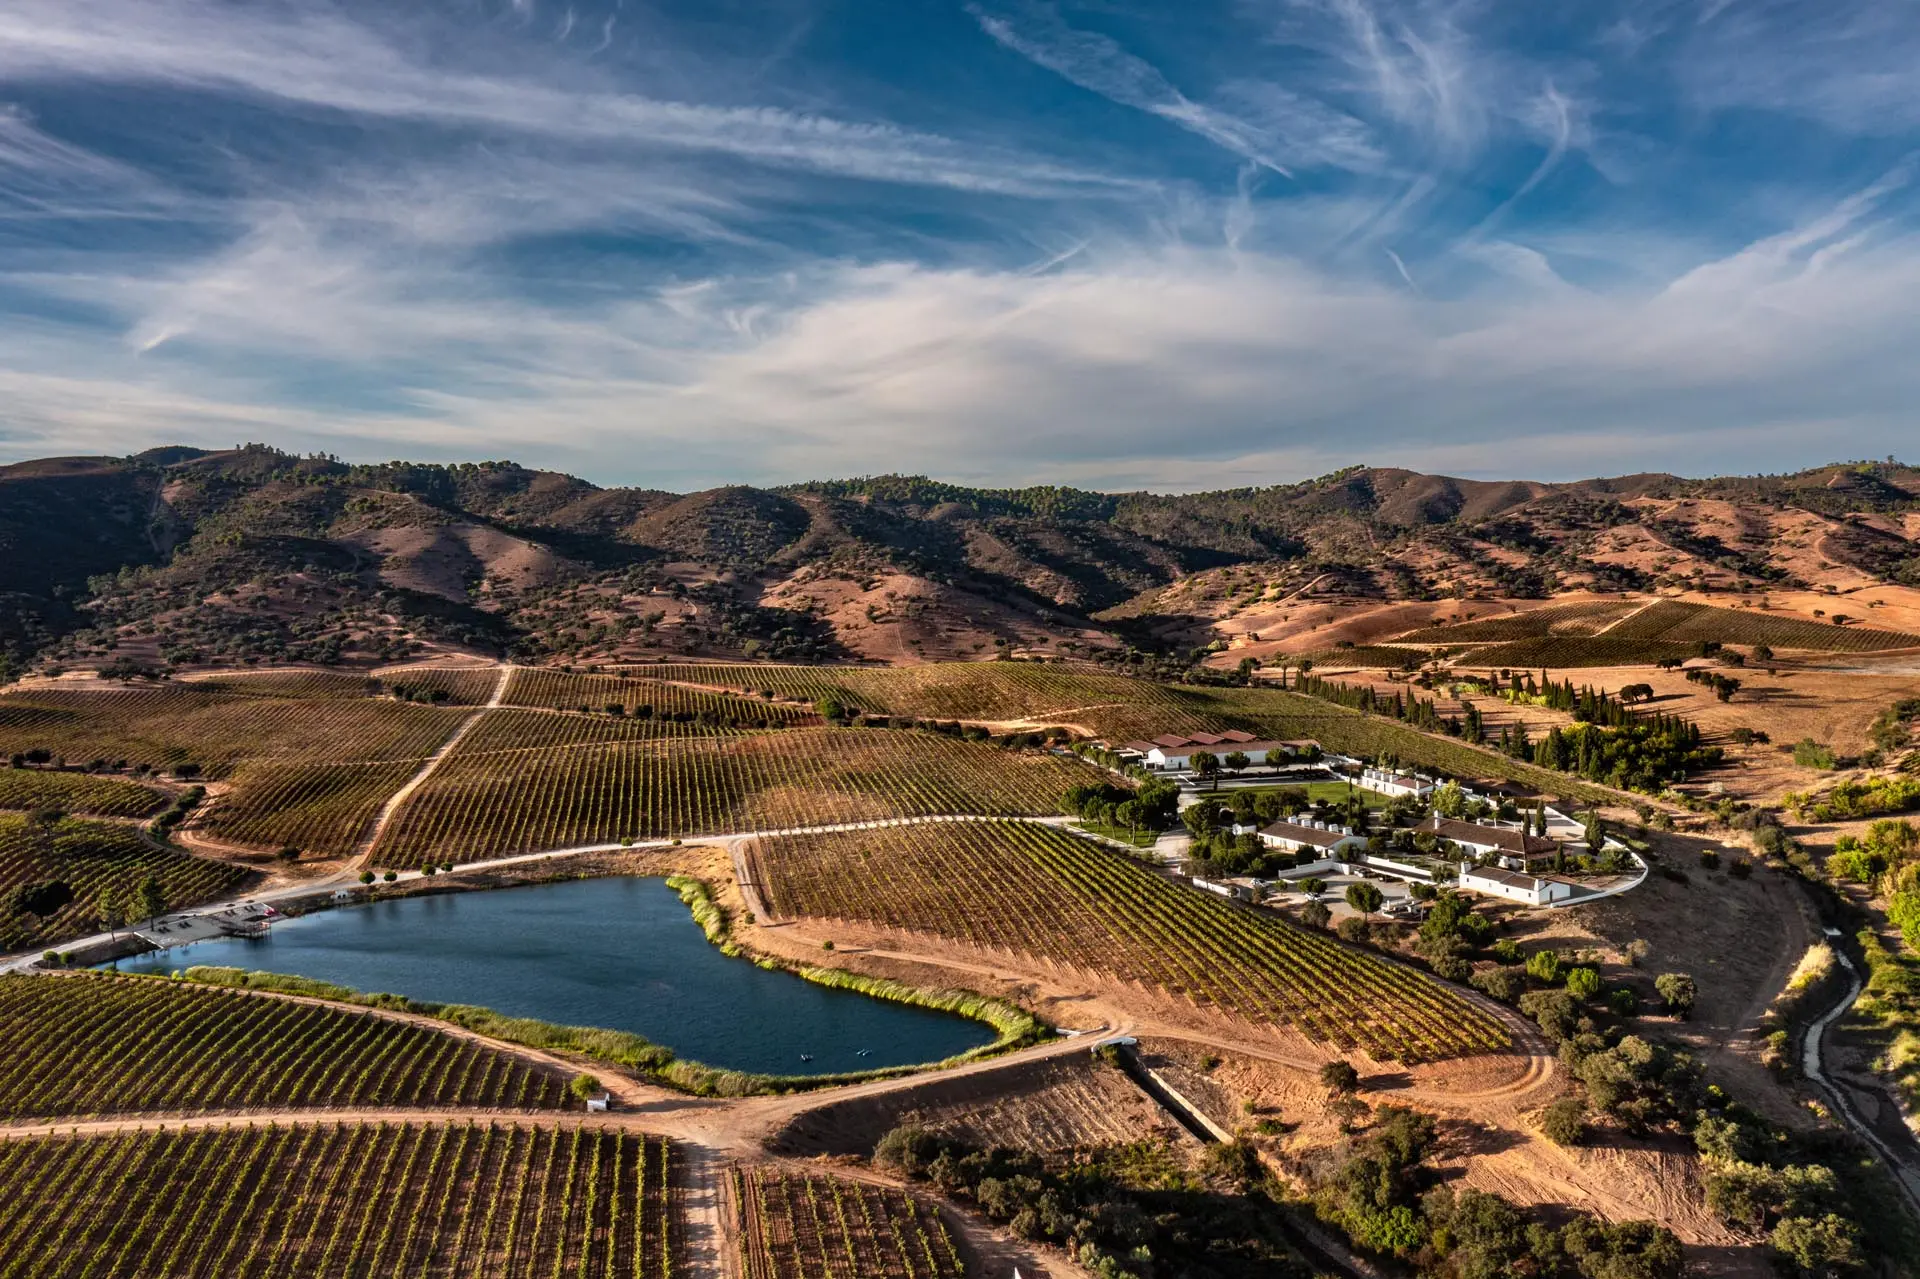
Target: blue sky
x=1112 y=243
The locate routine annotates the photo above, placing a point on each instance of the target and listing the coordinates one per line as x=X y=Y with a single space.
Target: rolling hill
x=181 y=556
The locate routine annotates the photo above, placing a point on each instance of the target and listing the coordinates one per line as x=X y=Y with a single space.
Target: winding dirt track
x=427 y=768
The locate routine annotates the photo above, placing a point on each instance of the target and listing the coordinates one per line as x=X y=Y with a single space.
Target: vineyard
x=24 y=789
x=489 y=799
x=1562 y=653
x=459 y=1201
x=1117 y=708
x=1681 y=623
x=1038 y=891
x=82 y=858
x=853 y=686
x=215 y=729
x=437 y=685
x=1384 y=656
x=999 y=691
x=1583 y=617
x=298 y=685
x=442 y=685
x=795 y=1226
x=645 y=698
x=96 y=1045
x=320 y=808
x=1750 y=626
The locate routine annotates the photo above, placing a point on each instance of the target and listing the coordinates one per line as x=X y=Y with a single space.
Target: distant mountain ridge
x=181 y=555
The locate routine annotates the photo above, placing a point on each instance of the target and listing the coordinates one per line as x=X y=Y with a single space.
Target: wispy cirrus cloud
x=312 y=57
x=632 y=244
x=45 y=178
x=1073 y=374
x=1279 y=130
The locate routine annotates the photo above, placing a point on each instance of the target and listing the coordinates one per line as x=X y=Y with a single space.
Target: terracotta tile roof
x=1507 y=841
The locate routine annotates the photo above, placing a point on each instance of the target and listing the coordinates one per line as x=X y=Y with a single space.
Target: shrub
x=908 y=1149
x=1340 y=1076
x=1677 y=991
x=584 y=1087
x=1583 y=983
x=1553 y=1010
x=1564 y=1123
x=1504 y=984
x=1544 y=967
x=1811 y=754
x=1823 y=1245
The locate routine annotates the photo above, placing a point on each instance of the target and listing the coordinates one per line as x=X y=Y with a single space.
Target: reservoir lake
x=617 y=952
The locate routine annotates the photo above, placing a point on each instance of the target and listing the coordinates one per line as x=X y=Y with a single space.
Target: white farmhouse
x=1171 y=753
x=1513 y=886
x=1511 y=847
x=1396 y=785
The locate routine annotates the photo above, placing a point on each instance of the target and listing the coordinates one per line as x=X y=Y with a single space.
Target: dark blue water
x=618 y=952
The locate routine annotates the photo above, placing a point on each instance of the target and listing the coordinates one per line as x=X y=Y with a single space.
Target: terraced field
x=28 y=788
x=86 y=857
x=408 y=1201
x=795 y=1226
x=84 y=1045
x=1038 y=891
x=593 y=781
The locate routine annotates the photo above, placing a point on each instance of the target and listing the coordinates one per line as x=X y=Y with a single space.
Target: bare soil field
x=1490 y=1147
x=1739 y=938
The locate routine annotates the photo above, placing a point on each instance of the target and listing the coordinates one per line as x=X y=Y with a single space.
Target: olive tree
x=1364 y=897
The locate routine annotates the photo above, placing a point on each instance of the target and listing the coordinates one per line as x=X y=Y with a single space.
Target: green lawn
x=1138 y=838
x=1332 y=792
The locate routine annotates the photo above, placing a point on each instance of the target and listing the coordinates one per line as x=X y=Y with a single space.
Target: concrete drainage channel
x=1184 y=1112
x=1324 y=1252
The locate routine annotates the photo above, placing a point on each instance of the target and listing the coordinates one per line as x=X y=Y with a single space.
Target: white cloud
x=1195 y=366
x=402 y=299
x=1281 y=129
x=312 y=57
x=1846 y=63
x=43 y=177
